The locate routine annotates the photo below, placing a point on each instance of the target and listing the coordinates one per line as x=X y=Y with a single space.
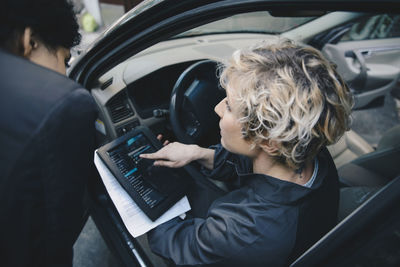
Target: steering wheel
x=194 y=96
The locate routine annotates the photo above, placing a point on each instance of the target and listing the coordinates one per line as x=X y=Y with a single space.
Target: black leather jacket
x=263 y=222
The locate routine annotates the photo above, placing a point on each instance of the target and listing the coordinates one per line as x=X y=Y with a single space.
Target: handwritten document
x=133 y=217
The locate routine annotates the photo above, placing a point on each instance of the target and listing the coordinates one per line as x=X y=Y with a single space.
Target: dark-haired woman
x=46 y=135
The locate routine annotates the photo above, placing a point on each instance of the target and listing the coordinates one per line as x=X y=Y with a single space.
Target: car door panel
x=371 y=67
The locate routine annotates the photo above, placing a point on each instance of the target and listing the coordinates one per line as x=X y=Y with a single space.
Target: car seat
x=349 y=147
x=369 y=236
x=375 y=168
x=363 y=176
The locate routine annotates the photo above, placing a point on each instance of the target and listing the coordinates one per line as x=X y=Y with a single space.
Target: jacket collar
x=276 y=190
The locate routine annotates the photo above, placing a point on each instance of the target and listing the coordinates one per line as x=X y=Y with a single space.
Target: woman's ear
x=269 y=146
x=28 y=42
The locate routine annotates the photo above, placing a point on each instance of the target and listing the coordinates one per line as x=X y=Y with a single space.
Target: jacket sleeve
x=67 y=144
x=222 y=235
x=224 y=166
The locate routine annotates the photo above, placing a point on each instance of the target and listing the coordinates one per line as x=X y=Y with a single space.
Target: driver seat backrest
x=367 y=236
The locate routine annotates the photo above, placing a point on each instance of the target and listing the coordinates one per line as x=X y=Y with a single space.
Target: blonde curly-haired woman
x=285 y=103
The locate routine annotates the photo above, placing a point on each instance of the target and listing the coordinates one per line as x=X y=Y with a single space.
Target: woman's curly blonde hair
x=288 y=94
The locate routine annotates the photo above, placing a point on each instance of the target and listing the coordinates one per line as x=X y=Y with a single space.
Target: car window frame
x=151 y=27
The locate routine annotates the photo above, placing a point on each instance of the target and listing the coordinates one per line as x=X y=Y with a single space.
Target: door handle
x=366 y=53
x=358 y=84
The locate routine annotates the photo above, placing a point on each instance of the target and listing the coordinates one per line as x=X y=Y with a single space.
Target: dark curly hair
x=52 y=21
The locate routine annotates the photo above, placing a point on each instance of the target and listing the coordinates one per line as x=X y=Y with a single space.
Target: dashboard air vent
x=106 y=84
x=119 y=108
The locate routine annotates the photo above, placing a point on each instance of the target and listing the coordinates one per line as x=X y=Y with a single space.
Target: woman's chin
x=223 y=144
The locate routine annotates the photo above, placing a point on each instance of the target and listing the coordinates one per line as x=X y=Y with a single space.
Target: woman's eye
x=66 y=62
x=227 y=106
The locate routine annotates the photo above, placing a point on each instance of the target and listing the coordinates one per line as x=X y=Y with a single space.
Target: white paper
x=133 y=217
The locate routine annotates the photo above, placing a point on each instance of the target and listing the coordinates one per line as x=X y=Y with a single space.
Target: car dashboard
x=138 y=91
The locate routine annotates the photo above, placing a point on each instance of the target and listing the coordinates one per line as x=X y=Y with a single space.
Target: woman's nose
x=218 y=108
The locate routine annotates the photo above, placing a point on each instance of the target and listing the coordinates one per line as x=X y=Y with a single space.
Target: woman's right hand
x=173 y=155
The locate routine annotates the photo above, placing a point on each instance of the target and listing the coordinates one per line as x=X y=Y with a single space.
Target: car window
x=257 y=22
x=374 y=27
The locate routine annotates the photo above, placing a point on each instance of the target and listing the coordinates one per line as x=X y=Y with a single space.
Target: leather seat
x=348 y=148
x=360 y=165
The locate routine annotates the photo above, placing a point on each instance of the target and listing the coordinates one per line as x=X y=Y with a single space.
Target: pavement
x=90 y=250
x=109 y=13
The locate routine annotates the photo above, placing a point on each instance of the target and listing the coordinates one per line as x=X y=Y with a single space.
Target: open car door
x=157 y=21
x=367 y=54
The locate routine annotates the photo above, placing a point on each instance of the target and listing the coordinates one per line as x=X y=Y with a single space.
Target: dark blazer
x=46 y=155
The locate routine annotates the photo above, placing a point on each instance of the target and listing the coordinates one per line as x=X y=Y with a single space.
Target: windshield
x=257 y=22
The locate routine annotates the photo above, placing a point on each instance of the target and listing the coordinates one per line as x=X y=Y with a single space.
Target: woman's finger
x=165 y=163
x=150 y=155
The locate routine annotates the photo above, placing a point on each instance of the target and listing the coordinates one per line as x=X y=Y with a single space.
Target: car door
x=142 y=27
x=367 y=54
